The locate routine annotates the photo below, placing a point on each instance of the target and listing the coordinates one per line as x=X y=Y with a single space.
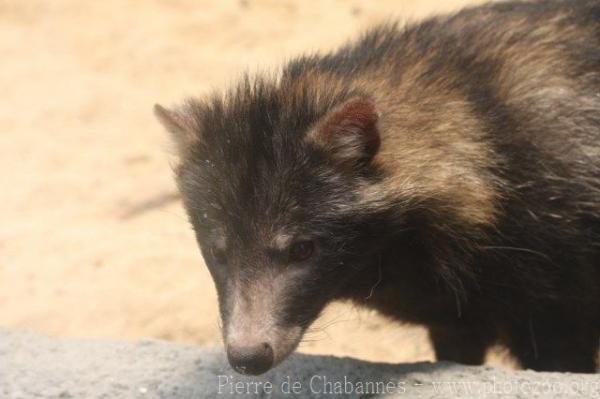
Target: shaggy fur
x=447 y=174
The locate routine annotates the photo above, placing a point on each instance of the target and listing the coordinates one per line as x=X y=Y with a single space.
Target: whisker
x=531 y=251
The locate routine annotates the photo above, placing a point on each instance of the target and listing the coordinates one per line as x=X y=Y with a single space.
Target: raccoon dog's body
x=446 y=174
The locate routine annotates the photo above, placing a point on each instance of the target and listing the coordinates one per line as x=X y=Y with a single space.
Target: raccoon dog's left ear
x=182 y=125
x=349 y=132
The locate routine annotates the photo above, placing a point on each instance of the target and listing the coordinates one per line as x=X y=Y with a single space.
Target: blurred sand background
x=93 y=240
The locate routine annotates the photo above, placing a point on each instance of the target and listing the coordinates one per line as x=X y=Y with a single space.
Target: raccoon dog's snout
x=251 y=358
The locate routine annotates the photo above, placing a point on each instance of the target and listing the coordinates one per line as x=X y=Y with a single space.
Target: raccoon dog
x=445 y=173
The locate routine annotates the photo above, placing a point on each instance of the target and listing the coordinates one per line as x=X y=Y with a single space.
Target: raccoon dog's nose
x=254 y=359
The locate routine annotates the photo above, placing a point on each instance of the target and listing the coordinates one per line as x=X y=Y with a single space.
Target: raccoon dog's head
x=270 y=175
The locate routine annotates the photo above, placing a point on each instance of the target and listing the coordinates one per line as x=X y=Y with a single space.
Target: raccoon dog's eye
x=301 y=250
x=219 y=255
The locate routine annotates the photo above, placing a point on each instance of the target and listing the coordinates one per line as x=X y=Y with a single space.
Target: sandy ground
x=93 y=240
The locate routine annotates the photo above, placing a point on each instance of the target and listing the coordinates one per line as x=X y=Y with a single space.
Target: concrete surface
x=36 y=366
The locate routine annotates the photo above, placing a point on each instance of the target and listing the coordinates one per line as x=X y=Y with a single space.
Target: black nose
x=254 y=359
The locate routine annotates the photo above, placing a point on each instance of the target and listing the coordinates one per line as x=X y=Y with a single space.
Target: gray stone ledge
x=36 y=366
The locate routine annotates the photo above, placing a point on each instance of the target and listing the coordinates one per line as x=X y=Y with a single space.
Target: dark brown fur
x=448 y=174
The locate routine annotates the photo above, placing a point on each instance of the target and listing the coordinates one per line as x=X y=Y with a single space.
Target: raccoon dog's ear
x=349 y=132
x=182 y=125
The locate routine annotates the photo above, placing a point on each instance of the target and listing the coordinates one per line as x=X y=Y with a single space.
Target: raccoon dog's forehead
x=253 y=169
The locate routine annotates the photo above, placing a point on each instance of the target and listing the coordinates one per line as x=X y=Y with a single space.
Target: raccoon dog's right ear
x=181 y=124
x=349 y=132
